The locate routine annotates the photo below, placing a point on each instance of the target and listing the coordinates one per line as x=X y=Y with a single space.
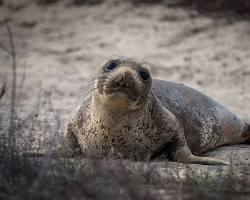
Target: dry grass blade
x=9 y=147
x=4 y=48
x=13 y=93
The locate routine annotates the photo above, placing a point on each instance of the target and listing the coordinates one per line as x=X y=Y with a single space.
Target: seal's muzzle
x=123 y=81
x=123 y=84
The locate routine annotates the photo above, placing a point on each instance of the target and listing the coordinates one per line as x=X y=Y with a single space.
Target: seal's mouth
x=122 y=92
x=117 y=90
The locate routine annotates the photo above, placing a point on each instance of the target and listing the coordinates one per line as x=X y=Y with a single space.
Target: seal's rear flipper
x=247 y=133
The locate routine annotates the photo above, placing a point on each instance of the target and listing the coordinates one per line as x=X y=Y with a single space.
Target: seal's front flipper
x=207 y=161
x=179 y=151
x=70 y=145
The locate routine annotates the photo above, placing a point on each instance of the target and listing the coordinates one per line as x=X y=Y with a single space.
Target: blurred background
x=61 y=43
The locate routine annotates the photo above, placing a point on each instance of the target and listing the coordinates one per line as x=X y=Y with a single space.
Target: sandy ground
x=60 y=47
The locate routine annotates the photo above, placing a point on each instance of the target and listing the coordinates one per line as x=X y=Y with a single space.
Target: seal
x=133 y=116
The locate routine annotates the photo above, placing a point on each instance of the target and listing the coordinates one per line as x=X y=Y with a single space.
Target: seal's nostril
x=117 y=83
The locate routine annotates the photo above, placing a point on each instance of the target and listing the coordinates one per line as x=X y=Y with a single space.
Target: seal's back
x=206 y=123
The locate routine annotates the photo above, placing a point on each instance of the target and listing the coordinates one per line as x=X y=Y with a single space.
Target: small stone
x=28 y=24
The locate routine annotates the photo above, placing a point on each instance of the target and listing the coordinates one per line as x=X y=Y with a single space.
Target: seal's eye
x=144 y=75
x=111 y=65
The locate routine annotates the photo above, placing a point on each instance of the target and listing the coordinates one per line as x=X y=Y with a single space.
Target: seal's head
x=123 y=83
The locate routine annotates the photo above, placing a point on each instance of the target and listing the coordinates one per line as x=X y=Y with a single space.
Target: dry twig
x=3 y=90
x=9 y=147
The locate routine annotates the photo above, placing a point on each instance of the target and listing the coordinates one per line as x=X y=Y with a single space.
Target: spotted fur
x=129 y=117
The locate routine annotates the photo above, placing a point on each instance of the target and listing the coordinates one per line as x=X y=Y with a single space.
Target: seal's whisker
x=100 y=79
x=92 y=81
x=100 y=84
x=100 y=76
x=92 y=90
x=92 y=84
x=95 y=78
x=146 y=95
x=147 y=98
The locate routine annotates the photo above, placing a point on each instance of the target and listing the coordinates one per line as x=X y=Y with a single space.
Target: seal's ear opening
x=146 y=66
x=114 y=57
